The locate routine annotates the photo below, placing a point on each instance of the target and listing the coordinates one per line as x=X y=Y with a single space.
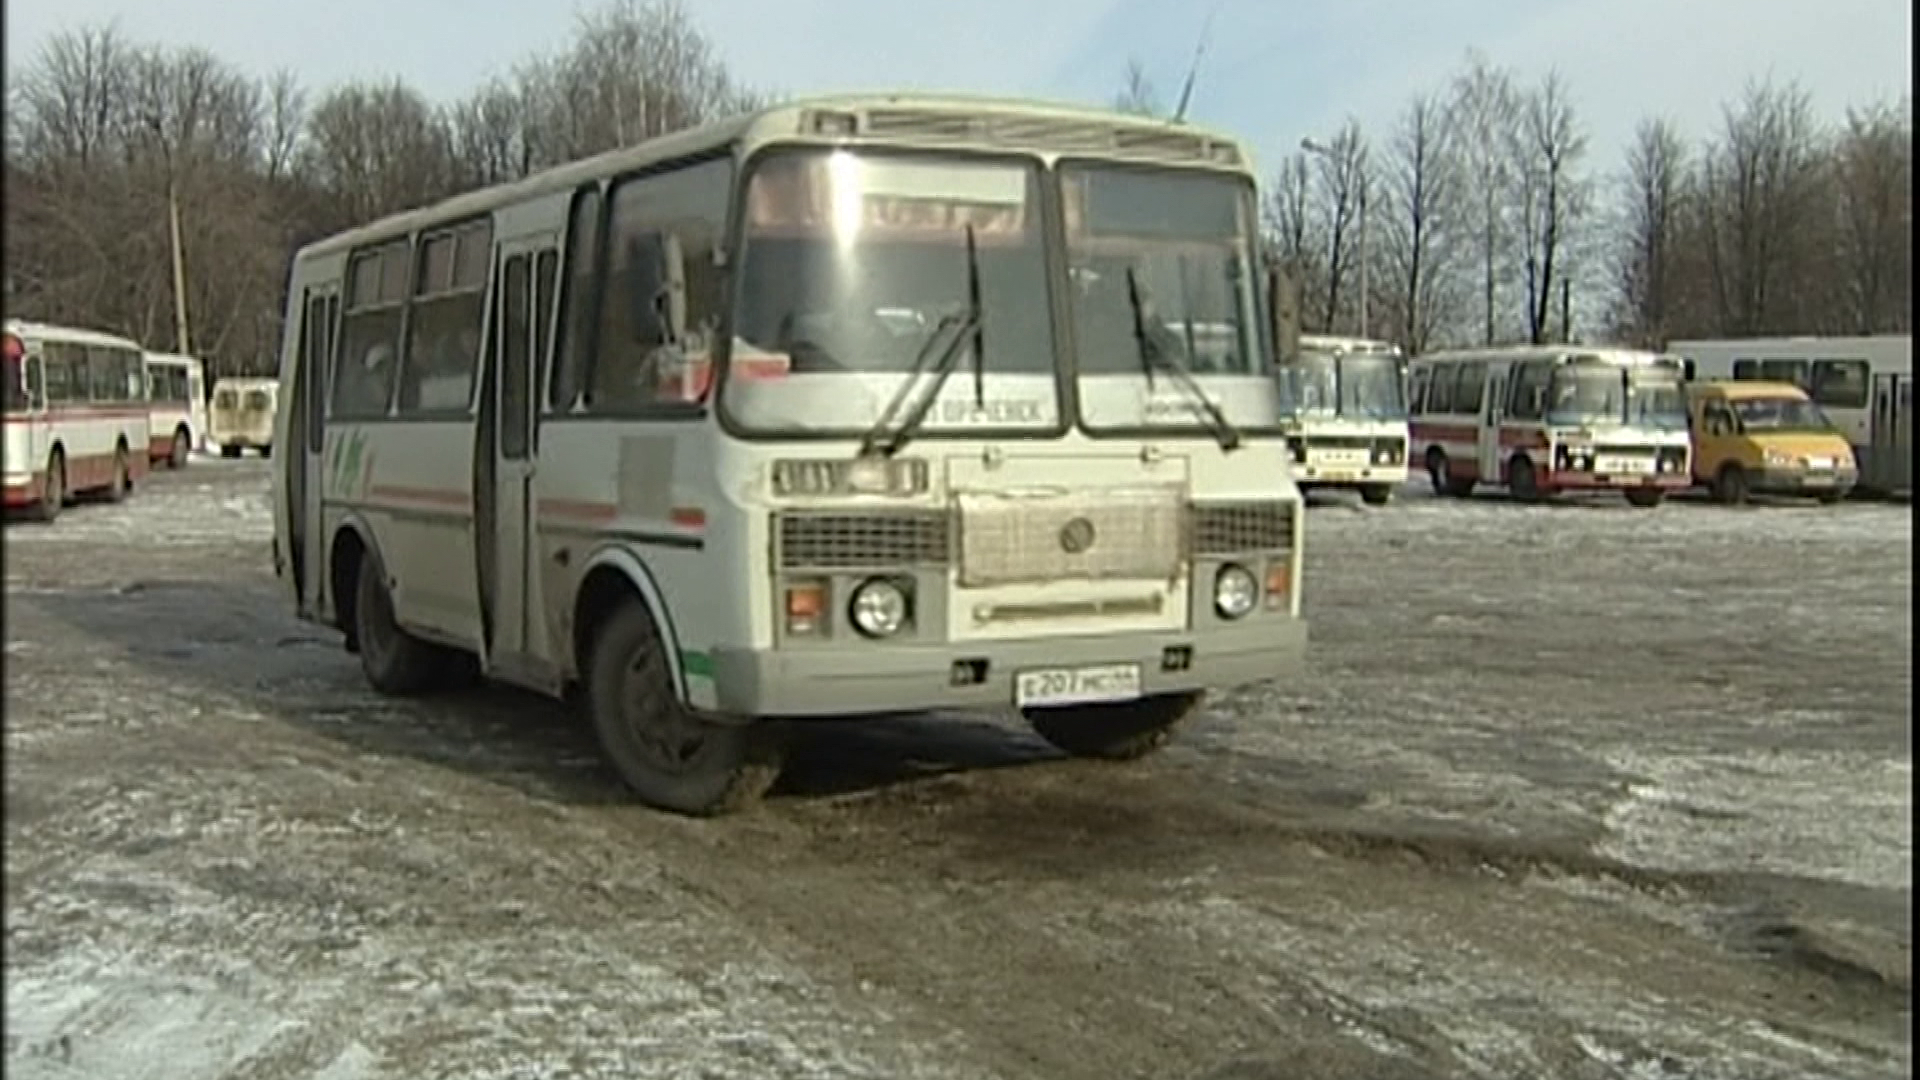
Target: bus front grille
x=1232 y=528
x=877 y=539
x=1014 y=537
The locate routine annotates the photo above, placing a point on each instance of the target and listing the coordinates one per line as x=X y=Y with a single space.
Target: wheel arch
x=612 y=574
x=352 y=542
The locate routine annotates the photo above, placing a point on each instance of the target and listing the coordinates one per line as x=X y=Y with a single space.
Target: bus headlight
x=878 y=608
x=1234 y=591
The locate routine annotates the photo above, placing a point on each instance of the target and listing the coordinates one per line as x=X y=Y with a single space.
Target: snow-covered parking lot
x=1574 y=791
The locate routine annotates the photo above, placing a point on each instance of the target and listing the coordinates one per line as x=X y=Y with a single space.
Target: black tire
x=229 y=451
x=395 y=662
x=266 y=451
x=671 y=757
x=122 y=481
x=1645 y=498
x=1440 y=472
x=1730 y=485
x=1523 y=479
x=1830 y=498
x=181 y=449
x=53 y=493
x=1377 y=494
x=1122 y=731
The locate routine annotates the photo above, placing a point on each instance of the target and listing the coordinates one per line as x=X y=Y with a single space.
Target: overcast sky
x=1276 y=70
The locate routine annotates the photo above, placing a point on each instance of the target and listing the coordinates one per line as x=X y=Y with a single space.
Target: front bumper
x=1580 y=479
x=1312 y=476
x=1802 y=482
x=915 y=678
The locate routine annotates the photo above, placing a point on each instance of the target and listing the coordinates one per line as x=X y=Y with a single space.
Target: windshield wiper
x=1153 y=355
x=878 y=439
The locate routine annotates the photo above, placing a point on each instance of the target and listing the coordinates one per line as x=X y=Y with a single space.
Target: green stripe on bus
x=696 y=663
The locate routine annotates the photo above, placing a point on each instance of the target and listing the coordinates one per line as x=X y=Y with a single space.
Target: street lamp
x=1315 y=148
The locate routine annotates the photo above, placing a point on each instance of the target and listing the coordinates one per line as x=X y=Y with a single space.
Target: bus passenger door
x=1492 y=414
x=307 y=430
x=507 y=551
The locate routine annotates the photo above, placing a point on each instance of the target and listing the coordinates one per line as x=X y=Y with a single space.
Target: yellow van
x=1753 y=437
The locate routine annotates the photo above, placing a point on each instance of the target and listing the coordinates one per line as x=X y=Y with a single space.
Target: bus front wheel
x=177 y=457
x=1120 y=731
x=670 y=756
x=1730 y=485
x=122 y=481
x=1377 y=494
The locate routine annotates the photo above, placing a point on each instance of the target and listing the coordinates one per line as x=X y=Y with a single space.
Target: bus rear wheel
x=395 y=662
x=670 y=756
x=53 y=492
x=1122 y=731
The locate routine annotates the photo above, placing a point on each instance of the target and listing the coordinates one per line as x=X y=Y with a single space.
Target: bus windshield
x=1162 y=274
x=1781 y=414
x=1361 y=386
x=854 y=267
x=1599 y=393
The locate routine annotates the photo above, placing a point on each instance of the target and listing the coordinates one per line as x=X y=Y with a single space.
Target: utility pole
x=1566 y=310
x=181 y=341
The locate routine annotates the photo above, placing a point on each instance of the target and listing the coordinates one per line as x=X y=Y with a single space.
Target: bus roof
x=1334 y=343
x=930 y=120
x=1799 y=343
x=245 y=381
x=1522 y=353
x=24 y=328
x=1745 y=389
x=180 y=359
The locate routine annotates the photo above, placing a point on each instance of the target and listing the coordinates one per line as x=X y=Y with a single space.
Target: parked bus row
x=89 y=413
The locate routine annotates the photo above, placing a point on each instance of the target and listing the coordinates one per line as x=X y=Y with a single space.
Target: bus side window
x=363 y=376
x=1470 y=392
x=579 y=298
x=632 y=367
x=1417 y=396
x=443 y=330
x=57 y=360
x=1528 y=399
x=1746 y=370
x=1840 y=384
x=1786 y=371
x=1440 y=391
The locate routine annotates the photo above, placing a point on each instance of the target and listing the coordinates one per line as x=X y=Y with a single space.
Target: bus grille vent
x=1231 y=528
x=1051 y=134
x=837 y=540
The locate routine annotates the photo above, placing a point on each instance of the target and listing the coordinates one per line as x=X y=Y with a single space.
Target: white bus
x=243 y=414
x=1347 y=415
x=176 y=408
x=1863 y=384
x=1542 y=419
x=852 y=406
x=76 y=416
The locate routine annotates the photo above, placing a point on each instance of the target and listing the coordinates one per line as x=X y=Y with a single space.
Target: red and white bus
x=76 y=415
x=1550 y=418
x=176 y=408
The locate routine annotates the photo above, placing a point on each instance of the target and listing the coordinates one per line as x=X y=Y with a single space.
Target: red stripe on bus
x=579 y=509
x=432 y=496
x=691 y=517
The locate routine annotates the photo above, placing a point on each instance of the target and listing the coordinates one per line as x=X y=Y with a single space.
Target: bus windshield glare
x=1594 y=393
x=854 y=266
x=1359 y=386
x=852 y=263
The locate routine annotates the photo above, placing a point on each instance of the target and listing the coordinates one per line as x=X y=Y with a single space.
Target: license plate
x=1819 y=463
x=1623 y=466
x=1077 y=686
x=1339 y=474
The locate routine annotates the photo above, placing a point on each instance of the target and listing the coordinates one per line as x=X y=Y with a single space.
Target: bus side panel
x=413 y=483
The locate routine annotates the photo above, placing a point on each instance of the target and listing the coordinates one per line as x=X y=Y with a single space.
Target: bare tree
x=1759 y=220
x=1874 y=184
x=1341 y=168
x=1656 y=182
x=1137 y=92
x=1549 y=192
x=1484 y=110
x=1423 y=189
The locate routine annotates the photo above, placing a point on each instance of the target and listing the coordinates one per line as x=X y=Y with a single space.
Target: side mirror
x=657 y=288
x=1283 y=309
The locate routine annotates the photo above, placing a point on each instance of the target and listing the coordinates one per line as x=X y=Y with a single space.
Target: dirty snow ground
x=1575 y=791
